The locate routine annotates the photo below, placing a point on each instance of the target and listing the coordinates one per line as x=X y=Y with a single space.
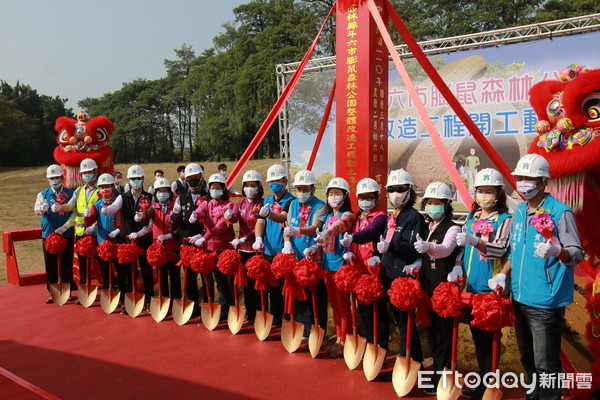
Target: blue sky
x=77 y=49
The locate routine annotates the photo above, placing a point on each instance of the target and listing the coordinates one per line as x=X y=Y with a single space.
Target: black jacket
x=402 y=250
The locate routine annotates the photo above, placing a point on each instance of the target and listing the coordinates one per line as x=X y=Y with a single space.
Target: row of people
x=492 y=244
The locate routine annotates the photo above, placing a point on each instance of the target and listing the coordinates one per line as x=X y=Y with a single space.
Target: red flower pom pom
x=406 y=293
x=229 y=262
x=129 y=252
x=307 y=272
x=204 y=261
x=446 y=300
x=368 y=289
x=283 y=265
x=259 y=269
x=55 y=244
x=491 y=312
x=187 y=254
x=107 y=250
x=87 y=246
x=156 y=255
x=346 y=277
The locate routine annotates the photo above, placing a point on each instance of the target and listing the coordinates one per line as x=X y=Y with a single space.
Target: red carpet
x=76 y=353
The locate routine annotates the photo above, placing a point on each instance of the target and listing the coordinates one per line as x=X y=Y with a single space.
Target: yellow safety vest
x=81 y=204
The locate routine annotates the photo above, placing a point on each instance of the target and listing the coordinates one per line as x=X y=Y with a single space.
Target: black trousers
x=170 y=280
x=84 y=263
x=440 y=343
x=275 y=299
x=51 y=264
x=251 y=295
x=304 y=308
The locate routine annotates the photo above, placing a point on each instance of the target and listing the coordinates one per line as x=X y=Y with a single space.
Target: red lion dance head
x=80 y=139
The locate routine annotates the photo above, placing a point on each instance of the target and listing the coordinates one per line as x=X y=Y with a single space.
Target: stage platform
x=70 y=352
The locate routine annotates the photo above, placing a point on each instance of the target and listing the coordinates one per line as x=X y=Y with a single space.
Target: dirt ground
x=20 y=186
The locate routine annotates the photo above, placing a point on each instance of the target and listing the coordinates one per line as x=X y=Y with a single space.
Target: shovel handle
x=133 y=271
x=375 y=306
x=263 y=302
x=409 y=332
x=159 y=276
x=454 y=344
x=209 y=292
x=353 y=312
x=495 y=349
x=236 y=296
x=313 y=295
x=185 y=280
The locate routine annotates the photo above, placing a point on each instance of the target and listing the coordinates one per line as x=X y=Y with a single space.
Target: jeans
x=538 y=333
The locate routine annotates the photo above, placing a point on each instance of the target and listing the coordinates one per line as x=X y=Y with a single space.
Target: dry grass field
x=20 y=186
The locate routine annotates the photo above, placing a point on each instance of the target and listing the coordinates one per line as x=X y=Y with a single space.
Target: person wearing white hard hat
x=439 y=252
x=188 y=228
x=56 y=222
x=544 y=250
x=217 y=214
x=132 y=204
x=397 y=247
x=339 y=220
x=159 y=173
x=269 y=230
x=246 y=213
x=82 y=201
x=485 y=237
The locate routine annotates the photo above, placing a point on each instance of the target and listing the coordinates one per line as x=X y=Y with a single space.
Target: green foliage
x=324 y=178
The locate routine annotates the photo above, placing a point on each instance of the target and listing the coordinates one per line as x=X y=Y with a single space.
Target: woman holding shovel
x=486 y=238
x=439 y=252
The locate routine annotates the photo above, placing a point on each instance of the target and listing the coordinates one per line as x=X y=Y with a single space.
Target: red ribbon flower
x=55 y=243
x=446 y=300
x=292 y=290
x=368 y=289
x=347 y=277
x=491 y=312
x=157 y=256
x=87 y=246
x=204 y=261
x=307 y=272
x=108 y=250
x=283 y=265
x=187 y=253
x=407 y=294
x=129 y=252
x=259 y=269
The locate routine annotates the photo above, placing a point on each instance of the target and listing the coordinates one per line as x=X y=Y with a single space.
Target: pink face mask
x=527 y=189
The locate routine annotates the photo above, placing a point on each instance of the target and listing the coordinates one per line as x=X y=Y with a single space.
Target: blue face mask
x=216 y=193
x=87 y=177
x=136 y=184
x=276 y=187
x=303 y=197
x=435 y=212
x=162 y=197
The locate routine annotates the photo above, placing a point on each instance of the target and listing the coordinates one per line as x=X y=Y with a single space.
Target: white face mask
x=118 y=181
x=162 y=196
x=335 y=201
x=527 y=189
x=136 y=184
x=55 y=183
x=303 y=197
x=367 y=204
x=250 y=191
x=399 y=199
x=216 y=193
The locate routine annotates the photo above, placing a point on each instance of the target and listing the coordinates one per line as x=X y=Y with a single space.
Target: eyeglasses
x=398 y=189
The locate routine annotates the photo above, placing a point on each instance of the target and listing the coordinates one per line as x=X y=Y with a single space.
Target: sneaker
x=49 y=300
x=123 y=312
x=336 y=351
x=77 y=303
x=147 y=307
x=429 y=392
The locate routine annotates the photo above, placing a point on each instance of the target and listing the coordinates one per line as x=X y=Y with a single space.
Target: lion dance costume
x=80 y=139
x=568 y=111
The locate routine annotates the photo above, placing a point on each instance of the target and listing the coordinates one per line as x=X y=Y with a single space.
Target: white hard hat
x=367 y=185
x=193 y=169
x=106 y=179
x=532 y=165
x=438 y=190
x=339 y=183
x=304 y=177
x=217 y=178
x=135 y=171
x=251 y=176
x=399 y=177
x=161 y=182
x=488 y=177
x=54 y=170
x=87 y=164
x=276 y=172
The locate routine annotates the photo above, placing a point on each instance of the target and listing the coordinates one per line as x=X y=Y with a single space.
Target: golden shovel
x=210 y=312
x=446 y=388
x=87 y=292
x=374 y=354
x=235 y=318
x=492 y=393
x=60 y=292
x=263 y=320
x=406 y=369
x=159 y=305
x=109 y=299
x=291 y=331
x=315 y=339
x=134 y=301
x=354 y=348
x=183 y=308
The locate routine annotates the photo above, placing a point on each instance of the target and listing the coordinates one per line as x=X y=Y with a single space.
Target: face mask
x=435 y=212
x=527 y=189
x=162 y=197
x=303 y=197
x=223 y=173
x=216 y=193
x=194 y=182
x=136 y=184
x=485 y=200
x=87 y=177
x=366 y=204
x=106 y=193
x=335 y=201
x=118 y=181
x=276 y=187
x=55 y=183
x=250 y=192
x=398 y=199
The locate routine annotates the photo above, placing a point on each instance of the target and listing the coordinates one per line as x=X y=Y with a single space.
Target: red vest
x=161 y=225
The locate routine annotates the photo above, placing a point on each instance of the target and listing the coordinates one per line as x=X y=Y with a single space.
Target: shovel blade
x=87 y=294
x=492 y=394
x=134 y=304
x=291 y=335
x=404 y=375
x=374 y=358
x=262 y=324
x=235 y=318
x=446 y=388
x=354 y=348
x=315 y=340
x=182 y=311
x=159 y=307
x=211 y=313
x=60 y=292
x=109 y=300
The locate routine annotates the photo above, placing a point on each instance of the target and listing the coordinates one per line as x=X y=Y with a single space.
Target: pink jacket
x=246 y=213
x=218 y=231
x=161 y=225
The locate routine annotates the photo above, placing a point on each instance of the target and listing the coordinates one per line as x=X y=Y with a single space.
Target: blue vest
x=302 y=242
x=538 y=282
x=51 y=220
x=477 y=272
x=333 y=261
x=273 y=240
x=105 y=224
